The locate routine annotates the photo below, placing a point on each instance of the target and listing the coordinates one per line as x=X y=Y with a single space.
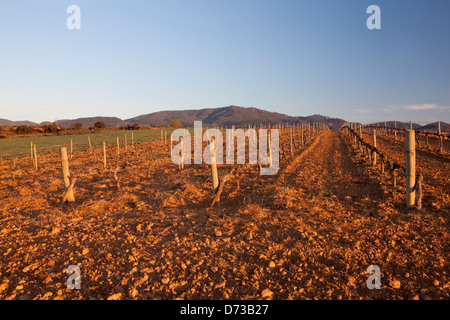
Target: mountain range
x=6 y=122
x=231 y=115
x=225 y=116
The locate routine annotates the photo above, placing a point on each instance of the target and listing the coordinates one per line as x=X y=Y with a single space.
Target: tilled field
x=309 y=232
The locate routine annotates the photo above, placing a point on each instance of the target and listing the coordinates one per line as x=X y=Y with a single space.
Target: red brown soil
x=309 y=232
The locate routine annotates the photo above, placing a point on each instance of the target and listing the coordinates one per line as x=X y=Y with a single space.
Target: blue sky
x=298 y=57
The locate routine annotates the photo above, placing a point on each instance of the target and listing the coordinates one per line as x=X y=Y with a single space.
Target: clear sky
x=298 y=57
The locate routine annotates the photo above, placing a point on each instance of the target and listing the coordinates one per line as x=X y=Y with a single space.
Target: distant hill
x=110 y=122
x=434 y=127
x=398 y=124
x=333 y=123
x=5 y=122
x=224 y=116
x=405 y=125
x=228 y=116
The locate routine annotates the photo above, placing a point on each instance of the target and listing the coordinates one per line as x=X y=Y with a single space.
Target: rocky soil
x=309 y=232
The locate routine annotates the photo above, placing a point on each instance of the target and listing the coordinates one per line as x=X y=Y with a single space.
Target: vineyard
x=141 y=227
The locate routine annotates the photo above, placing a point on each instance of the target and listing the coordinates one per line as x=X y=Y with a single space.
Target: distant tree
x=78 y=126
x=51 y=128
x=99 y=125
x=175 y=123
x=24 y=130
x=6 y=129
x=131 y=127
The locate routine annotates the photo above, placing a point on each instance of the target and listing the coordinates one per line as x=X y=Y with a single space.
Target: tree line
x=54 y=128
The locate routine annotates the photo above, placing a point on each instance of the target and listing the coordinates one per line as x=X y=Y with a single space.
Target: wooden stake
x=35 y=158
x=181 y=166
x=66 y=175
x=71 y=148
x=214 y=176
x=31 y=150
x=410 y=167
x=118 y=150
x=302 y=137
x=89 y=139
x=104 y=155
x=270 y=148
x=290 y=135
x=441 y=139
x=395 y=130
x=374 y=154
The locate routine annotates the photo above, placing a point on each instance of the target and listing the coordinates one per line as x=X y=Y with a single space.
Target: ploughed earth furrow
x=326 y=169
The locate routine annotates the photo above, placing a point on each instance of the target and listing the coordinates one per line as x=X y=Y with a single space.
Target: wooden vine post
x=410 y=167
x=104 y=155
x=228 y=141
x=360 y=137
x=303 y=142
x=35 y=157
x=270 y=149
x=181 y=166
x=290 y=138
x=441 y=140
x=395 y=130
x=374 y=154
x=309 y=131
x=71 y=148
x=31 y=150
x=132 y=137
x=118 y=151
x=125 y=142
x=69 y=197
x=214 y=176
x=89 y=140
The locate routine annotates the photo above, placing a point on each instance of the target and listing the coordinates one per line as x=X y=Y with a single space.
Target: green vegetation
x=174 y=123
x=24 y=130
x=19 y=147
x=100 y=125
x=77 y=126
x=51 y=128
